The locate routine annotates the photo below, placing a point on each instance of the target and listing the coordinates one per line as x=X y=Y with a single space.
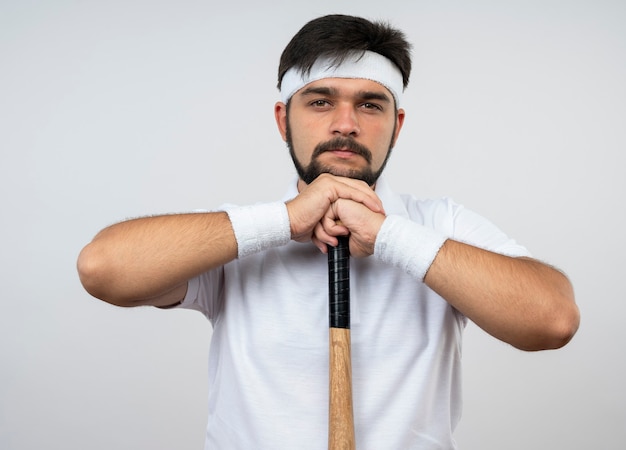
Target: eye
x=371 y=106
x=319 y=103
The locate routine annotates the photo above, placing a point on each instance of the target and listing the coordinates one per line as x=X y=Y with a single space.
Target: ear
x=399 y=123
x=280 y=114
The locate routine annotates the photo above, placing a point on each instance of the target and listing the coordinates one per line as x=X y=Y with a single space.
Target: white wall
x=123 y=108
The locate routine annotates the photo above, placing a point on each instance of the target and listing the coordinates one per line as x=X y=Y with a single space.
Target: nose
x=345 y=121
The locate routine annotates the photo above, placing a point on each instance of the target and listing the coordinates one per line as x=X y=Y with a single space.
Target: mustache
x=343 y=143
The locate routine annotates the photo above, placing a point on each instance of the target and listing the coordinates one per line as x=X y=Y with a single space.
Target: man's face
x=346 y=127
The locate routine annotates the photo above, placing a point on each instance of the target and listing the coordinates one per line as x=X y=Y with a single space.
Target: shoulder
x=460 y=223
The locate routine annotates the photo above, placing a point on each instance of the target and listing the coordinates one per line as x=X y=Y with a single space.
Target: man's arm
x=148 y=261
x=521 y=301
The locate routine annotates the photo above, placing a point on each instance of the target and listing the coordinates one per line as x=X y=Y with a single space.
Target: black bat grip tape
x=339 y=284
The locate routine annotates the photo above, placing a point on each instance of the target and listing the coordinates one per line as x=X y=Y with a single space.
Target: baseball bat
x=340 y=413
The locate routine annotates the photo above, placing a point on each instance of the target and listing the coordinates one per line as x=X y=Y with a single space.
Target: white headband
x=363 y=65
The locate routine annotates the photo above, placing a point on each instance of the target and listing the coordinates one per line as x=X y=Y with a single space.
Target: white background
x=114 y=109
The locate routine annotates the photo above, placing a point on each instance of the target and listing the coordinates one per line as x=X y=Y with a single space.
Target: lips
x=343 y=153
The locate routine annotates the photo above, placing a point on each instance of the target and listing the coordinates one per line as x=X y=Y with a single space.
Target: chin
x=363 y=175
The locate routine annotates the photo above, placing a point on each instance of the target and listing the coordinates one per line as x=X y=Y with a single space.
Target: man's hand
x=314 y=214
x=349 y=217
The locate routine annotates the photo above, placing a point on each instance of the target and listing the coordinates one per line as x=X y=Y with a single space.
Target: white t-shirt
x=268 y=361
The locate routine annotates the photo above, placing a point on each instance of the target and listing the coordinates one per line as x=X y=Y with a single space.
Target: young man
x=420 y=269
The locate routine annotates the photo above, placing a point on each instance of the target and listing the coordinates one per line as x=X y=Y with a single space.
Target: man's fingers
x=320 y=245
x=316 y=203
x=358 y=191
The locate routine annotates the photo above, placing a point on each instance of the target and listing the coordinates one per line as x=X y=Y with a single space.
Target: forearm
x=518 y=300
x=146 y=260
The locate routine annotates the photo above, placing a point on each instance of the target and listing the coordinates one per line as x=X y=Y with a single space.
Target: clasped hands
x=333 y=206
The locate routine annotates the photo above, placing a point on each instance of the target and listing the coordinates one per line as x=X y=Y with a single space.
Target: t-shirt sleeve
x=464 y=225
x=204 y=293
x=471 y=228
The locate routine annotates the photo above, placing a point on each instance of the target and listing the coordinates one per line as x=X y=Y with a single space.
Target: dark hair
x=339 y=35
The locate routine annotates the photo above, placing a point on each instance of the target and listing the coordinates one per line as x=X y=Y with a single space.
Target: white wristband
x=259 y=227
x=407 y=245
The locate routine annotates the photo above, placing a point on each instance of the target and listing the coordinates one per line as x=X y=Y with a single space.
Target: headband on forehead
x=363 y=65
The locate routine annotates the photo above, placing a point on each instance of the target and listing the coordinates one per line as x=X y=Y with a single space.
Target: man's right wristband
x=259 y=227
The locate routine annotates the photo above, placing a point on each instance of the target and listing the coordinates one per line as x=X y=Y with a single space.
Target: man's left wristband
x=259 y=227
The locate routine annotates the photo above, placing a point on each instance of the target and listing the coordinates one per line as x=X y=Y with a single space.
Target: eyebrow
x=332 y=92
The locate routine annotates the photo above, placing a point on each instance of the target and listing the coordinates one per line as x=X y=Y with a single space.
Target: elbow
x=89 y=271
x=557 y=330
x=565 y=327
x=97 y=276
x=565 y=317
x=559 y=322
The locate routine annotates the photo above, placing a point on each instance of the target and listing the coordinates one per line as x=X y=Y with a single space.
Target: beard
x=316 y=168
